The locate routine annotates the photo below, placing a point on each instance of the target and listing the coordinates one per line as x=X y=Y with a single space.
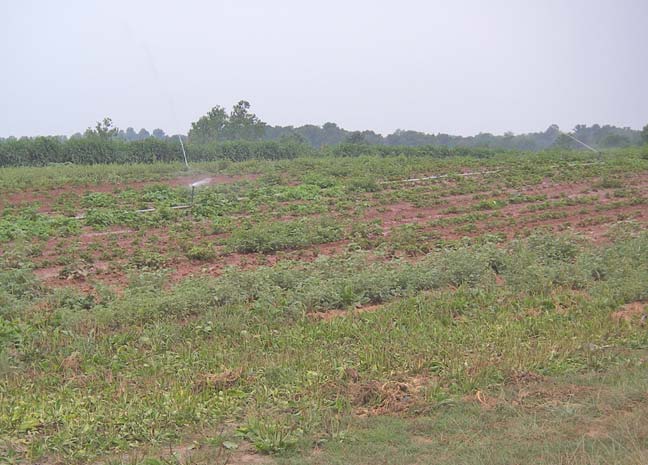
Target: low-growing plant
x=148 y=260
x=609 y=183
x=270 y=435
x=201 y=252
x=274 y=236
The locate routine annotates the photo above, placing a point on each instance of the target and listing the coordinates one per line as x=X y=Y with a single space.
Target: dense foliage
x=41 y=151
x=218 y=125
x=241 y=135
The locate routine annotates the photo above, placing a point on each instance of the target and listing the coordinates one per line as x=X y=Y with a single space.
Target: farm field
x=326 y=310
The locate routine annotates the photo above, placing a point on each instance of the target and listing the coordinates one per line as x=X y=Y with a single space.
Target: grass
x=590 y=418
x=400 y=346
x=126 y=355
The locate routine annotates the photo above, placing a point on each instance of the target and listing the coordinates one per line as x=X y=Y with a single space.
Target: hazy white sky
x=459 y=67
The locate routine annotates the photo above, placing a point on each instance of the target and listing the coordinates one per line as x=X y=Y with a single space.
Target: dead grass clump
x=376 y=398
x=546 y=393
x=524 y=377
x=217 y=382
x=72 y=363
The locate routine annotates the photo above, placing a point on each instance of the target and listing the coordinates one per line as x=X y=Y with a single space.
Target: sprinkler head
x=202 y=182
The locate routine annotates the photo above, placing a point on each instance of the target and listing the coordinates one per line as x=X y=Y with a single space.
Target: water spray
x=202 y=182
x=193 y=186
x=184 y=154
x=589 y=147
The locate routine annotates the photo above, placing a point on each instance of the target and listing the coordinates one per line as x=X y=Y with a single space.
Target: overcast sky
x=458 y=67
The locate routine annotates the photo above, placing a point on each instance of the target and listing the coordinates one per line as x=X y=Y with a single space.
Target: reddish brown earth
x=511 y=220
x=630 y=312
x=46 y=197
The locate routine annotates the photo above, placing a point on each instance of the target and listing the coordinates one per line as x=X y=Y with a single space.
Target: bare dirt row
x=440 y=222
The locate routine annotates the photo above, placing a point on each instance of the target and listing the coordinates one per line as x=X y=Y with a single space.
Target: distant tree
x=130 y=134
x=292 y=138
x=333 y=134
x=644 y=134
x=315 y=135
x=355 y=137
x=409 y=138
x=371 y=137
x=244 y=125
x=210 y=127
x=143 y=134
x=103 y=129
x=549 y=137
x=159 y=134
x=615 y=140
x=329 y=127
x=564 y=142
x=239 y=124
x=484 y=139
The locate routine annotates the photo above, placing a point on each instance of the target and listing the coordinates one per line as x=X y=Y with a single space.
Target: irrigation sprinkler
x=193 y=186
x=202 y=182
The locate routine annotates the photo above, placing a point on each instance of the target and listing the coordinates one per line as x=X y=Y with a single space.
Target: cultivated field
x=326 y=310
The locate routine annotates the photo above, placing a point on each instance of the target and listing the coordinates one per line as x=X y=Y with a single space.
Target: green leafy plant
x=271 y=436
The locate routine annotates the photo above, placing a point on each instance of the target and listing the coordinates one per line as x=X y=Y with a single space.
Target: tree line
x=102 y=144
x=241 y=135
x=241 y=124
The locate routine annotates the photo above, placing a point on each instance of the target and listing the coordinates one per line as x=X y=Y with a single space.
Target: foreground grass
x=474 y=351
x=83 y=376
x=589 y=418
x=593 y=417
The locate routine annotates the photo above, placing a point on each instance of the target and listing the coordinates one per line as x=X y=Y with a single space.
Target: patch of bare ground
x=583 y=218
x=632 y=312
x=394 y=215
x=196 y=452
x=115 y=272
x=510 y=221
x=547 y=393
x=47 y=197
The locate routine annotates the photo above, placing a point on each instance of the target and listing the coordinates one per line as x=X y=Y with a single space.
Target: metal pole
x=183 y=152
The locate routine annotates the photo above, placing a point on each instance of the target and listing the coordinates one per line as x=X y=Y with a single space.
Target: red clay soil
x=114 y=273
x=181 y=268
x=405 y=213
x=512 y=220
x=46 y=197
